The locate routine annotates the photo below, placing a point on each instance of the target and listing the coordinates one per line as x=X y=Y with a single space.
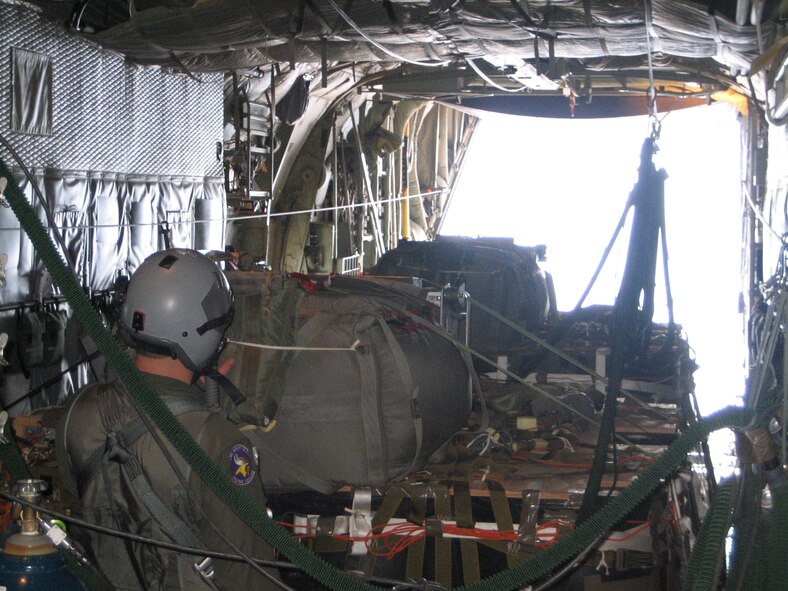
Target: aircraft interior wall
x=776 y=195
x=125 y=158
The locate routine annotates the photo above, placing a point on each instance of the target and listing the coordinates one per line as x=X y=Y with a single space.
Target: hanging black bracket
x=630 y=330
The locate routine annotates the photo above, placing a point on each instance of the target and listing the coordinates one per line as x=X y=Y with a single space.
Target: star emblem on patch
x=241 y=465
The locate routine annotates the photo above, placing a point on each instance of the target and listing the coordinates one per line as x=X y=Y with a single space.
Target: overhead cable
x=758 y=213
x=651 y=93
x=382 y=48
x=246 y=218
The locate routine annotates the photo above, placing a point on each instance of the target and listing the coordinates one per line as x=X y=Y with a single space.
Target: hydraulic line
x=254 y=516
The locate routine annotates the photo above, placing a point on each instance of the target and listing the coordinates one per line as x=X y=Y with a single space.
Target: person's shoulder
x=219 y=427
x=92 y=392
x=223 y=434
x=229 y=449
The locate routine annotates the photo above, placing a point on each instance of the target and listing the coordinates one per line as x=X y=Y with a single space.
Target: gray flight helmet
x=178 y=303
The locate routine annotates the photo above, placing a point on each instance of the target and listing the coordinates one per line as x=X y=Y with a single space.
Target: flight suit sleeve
x=232 y=453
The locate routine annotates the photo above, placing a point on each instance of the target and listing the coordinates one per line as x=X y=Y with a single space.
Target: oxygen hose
x=255 y=517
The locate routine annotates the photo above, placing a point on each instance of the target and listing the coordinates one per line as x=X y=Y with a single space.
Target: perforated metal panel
x=109 y=115
x=121 y=137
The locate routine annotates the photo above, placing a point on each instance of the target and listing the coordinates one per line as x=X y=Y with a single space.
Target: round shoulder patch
x=241 y=465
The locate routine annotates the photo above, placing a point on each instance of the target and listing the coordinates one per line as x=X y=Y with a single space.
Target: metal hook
x=656 y=127
x=3 y=422
x=166 y=234
x=3 y=184
x=3 y=343
x=3 y=263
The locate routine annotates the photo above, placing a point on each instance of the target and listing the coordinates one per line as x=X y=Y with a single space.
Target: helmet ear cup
x=178 y=303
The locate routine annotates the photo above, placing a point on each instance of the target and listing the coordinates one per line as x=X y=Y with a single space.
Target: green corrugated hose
x=749 y=537
x=10 y=458
x=702 y=568
x=777 y=564
x=521 y=574
x=759 y=539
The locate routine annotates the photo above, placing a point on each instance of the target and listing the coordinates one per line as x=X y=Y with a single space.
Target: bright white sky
x=565 y=183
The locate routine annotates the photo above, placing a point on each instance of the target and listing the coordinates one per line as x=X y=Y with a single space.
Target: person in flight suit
x=177 y=308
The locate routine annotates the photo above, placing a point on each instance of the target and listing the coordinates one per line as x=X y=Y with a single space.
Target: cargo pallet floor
x=475 y=512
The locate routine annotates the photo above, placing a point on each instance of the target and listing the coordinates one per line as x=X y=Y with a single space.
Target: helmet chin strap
x=219 y=322
x=214 y=379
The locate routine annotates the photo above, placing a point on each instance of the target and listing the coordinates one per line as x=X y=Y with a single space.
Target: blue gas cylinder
x=29 y=560
x=44 y=572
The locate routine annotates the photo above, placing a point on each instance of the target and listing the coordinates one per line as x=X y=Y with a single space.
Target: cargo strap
x=468 y=548
x=529 y=513
x=443 y=552
x=261 y=365
x=415 y=402
x=503 y=518
x=414 y=566
x=370 y=408
x=388 y=507
x=474 y=384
